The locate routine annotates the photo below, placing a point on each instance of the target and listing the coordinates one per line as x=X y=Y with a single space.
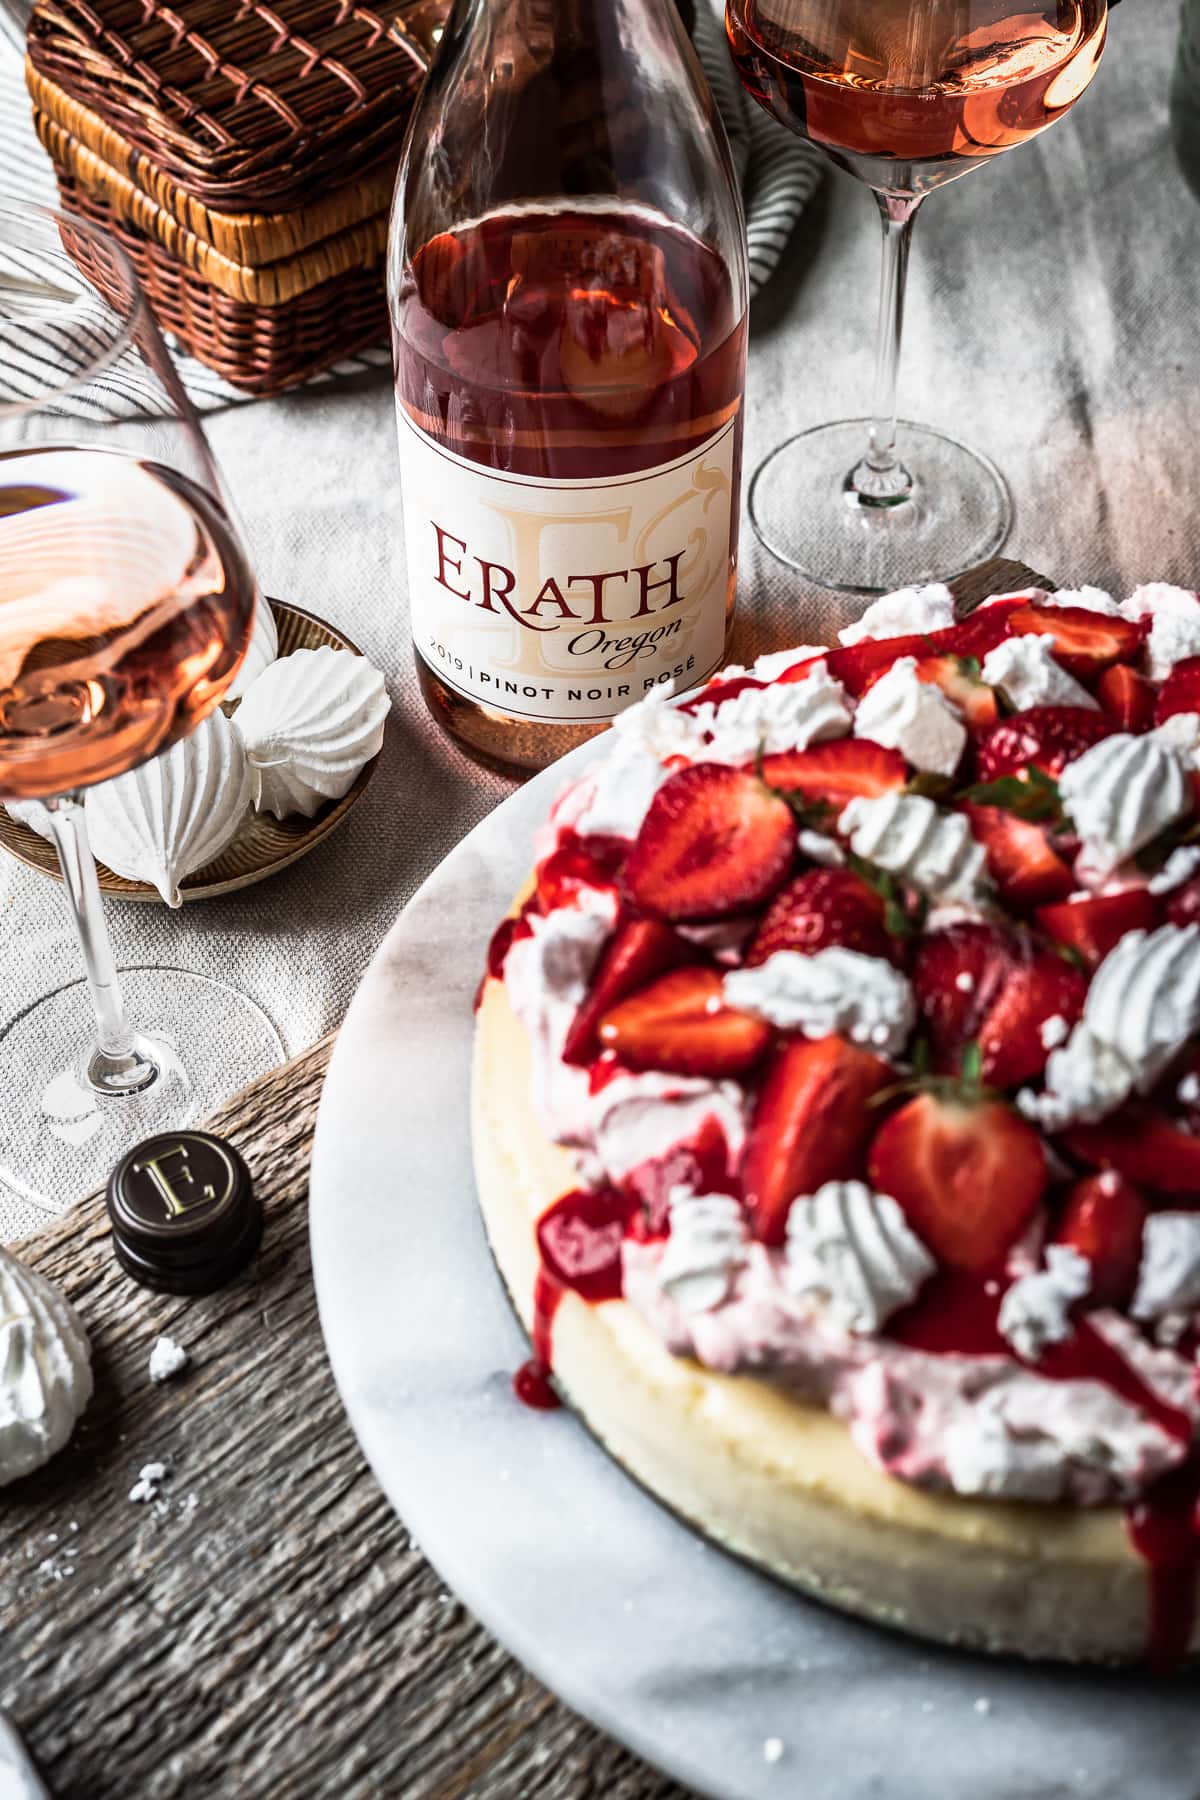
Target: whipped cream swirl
x=904 y=713
x=1174 y=614
x=706 y=1246
x=903 y=613
x=1030 y=674
x=1141 y=1009
x=1122 y=793
x=833 y=990
x=909 y=836
x=786 y=716
x=853 y=1251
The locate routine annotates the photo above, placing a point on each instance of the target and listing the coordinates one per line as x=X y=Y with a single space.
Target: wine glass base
x=954 y=511
x=69 y=1114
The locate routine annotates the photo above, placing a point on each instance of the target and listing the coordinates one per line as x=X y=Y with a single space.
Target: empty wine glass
x=126 y=605
x=906 y=98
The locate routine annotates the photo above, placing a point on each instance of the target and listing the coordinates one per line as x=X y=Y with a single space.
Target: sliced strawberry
x=578 y=863
x=1038 y=989
x=1143 y=1145
x=1127 y=697
x=820 y=908
x=1183 y=905
x=1049 y=737
x=714 y=842
x=640 y=950
x=956 y=977
x=969 y=1176
x=1102 y=1218
x=856 y=666
x=716 y=693
x=1022 y=863
x=1180 y=692
x=682 y=1025
x=979 y=632
x=1094 y=924
x=836 y=773
x=811 y=1125
x=1084 y=641
x=975 y=700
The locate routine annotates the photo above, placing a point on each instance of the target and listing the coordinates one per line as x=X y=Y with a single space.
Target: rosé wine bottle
x=568 y=291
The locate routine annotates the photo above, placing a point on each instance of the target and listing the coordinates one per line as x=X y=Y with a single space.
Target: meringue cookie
x=909 y=836
x=33 y=814
x=1036 y=1309
x=1121 y=793
x=1174 y=614
x=310 y=723
x=904 y=613
x=904 y=713
x=854 y=1250
x=1028 y=671
x=706 y=1247
x=45 y=1369
x=174 y=813
x=262 y=649
x=833 y=990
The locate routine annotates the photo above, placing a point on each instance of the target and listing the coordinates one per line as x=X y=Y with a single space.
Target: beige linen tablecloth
x=1052 y=321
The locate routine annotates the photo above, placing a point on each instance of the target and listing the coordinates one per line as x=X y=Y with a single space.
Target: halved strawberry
x=1180 y=692
x=811 y=1125
x=701 y=1163
x=639 y=950
x=1183 y=906
x=1127 y=697
x=1084 y=642
x=1024 y=866
x=1049 y=737
x=836 y=773
x=1103 y=1217
x=956 y=977
x=714 y=842
x=716 y=693
x=1143 y=1145
x=682 y=1024
x=1037 y=989
x=969 y=1176
x=576 y=864
x=1094 y=924
x=823 y=907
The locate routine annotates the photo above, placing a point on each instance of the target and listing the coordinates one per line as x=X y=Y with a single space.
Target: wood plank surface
x=267 y=1627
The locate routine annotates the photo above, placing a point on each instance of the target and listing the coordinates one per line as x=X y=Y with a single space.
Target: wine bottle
x=568 y=292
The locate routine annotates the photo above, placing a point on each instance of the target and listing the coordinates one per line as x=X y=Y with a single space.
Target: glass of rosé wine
x=905 y=97
x=126 y=605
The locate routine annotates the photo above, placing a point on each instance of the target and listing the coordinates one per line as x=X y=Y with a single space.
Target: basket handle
x=418 y=30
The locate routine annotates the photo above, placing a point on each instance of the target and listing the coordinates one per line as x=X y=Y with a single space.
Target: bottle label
x=567 y=600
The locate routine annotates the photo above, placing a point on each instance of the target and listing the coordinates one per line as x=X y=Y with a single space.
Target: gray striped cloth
x=778 y=172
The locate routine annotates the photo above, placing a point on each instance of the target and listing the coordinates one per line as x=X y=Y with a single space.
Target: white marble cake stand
x=683 y=1653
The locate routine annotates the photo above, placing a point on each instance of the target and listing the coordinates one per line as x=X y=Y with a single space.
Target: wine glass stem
x=117 y=1063
x=880 y=479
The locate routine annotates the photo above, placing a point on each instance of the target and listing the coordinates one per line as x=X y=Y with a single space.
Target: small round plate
x=264 y=845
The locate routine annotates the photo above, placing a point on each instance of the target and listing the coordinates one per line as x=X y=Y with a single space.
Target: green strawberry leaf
x=1032 y=795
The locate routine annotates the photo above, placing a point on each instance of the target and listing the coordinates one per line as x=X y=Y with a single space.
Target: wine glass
x=907 y=98
x=126 y=605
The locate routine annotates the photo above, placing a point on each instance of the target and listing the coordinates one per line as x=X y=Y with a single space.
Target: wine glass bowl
x=127 y=603
x=906 y=99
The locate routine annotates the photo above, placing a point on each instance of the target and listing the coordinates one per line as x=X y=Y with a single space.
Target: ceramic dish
x=263 y=846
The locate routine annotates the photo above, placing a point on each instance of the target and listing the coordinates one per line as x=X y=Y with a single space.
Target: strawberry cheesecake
x=837 y=1115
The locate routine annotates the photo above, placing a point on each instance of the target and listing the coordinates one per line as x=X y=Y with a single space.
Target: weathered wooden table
x=267 y=1627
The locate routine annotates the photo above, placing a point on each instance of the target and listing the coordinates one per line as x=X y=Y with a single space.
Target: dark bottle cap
x=185 y=1218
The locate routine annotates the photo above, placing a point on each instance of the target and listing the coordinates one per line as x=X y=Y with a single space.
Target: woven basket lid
x=247 y=106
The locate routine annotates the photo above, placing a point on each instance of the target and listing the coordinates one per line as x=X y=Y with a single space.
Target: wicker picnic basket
x=243 y=154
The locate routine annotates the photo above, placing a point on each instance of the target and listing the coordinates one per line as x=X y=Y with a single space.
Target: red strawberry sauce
x=956 y=1315
x=579 y=1242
